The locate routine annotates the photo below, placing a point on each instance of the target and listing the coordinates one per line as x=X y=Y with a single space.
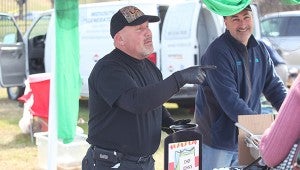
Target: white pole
x=52 y=121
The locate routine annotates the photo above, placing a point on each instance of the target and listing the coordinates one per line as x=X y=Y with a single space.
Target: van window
x=180 y=22
x=293 y=27
x=36 y=45
x=9 y=33
x=281 y=26
x=270 y=27
x=41 y=27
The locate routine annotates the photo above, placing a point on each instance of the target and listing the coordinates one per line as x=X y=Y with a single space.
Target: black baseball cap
x=129 y=16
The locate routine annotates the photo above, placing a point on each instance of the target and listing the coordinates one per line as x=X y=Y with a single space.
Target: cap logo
x=131 y=13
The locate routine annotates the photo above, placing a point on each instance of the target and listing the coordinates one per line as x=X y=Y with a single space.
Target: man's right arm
x=142 y=99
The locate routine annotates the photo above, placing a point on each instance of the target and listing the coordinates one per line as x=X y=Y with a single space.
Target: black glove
x=182 y=122
x=193 y=75
x=168 y=130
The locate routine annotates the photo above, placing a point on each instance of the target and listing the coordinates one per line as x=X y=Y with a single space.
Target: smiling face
x=240 y=26
x=135 y=41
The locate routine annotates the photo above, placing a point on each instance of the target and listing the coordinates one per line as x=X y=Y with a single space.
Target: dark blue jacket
x=233 y=90
x=276 y=58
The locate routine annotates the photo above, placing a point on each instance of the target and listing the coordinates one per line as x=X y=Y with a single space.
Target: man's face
x=240 y=26
x=138 y=40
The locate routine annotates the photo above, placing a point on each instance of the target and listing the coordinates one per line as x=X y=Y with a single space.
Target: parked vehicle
x=181 y=45
x=282 y=30
x=279 y=62
x=12 y=48
x=33 y=55
x=188 y=29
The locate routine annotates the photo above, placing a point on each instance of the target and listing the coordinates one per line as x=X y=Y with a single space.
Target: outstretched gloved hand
x=194 y=74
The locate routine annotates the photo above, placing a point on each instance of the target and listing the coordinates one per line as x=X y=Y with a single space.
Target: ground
x=18 y=152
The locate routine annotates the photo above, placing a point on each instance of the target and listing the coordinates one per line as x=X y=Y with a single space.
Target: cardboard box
x=256 y=124
x=69 y=156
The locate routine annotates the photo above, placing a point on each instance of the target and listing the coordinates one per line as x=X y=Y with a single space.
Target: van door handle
x=196 y=59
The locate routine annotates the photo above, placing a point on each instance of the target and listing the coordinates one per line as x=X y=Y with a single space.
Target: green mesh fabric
x=226 y=7
x=291 y=2
x=67 y=76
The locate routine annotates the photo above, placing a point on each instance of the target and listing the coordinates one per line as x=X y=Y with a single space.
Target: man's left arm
x=274 y=90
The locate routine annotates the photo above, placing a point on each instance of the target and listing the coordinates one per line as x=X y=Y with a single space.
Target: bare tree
x=277 y=5
x=52 y=3
x=21 y=8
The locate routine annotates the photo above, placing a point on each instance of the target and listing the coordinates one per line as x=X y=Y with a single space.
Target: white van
x=180 y=38
x=189 y=27
x=94 y=38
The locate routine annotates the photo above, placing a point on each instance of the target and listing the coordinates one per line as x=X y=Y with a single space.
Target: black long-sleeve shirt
x=125 y=104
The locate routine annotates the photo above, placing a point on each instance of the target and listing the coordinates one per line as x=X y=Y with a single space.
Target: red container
x=40 y=85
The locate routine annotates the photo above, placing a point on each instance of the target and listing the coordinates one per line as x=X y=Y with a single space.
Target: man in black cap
x=245 y=71
x=126 y=93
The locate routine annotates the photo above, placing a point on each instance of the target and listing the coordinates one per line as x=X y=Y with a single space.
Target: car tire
x=14 y=93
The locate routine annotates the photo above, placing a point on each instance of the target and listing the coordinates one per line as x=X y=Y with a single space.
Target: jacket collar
x=252 y=42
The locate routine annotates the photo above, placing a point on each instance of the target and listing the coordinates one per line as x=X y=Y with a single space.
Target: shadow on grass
x=19 y=141
x=83 y=103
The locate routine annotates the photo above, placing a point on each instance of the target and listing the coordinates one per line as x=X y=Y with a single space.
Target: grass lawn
x=17 y=152
x=16 y=149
